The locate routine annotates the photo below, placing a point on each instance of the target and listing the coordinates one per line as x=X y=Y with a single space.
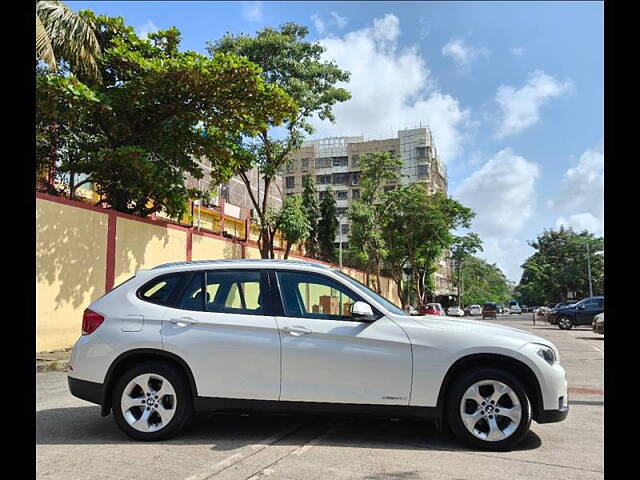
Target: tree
x=63 y=36
x=156 y=110
x=295 y=65
x=292 y=221
x=463 y=247
x=416 y=229
x=327 y=226
x=366 y=241
x=558 y=269
x=483 y=282
x=312 y=212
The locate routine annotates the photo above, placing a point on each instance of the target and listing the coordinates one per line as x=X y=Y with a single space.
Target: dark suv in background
x=581 y=313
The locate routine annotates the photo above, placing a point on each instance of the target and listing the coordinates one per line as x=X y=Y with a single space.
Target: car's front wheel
x=152 y=401
x=489 y=409
x=565 y=323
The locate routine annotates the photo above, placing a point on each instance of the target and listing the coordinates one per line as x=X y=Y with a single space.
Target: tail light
x=91 y=321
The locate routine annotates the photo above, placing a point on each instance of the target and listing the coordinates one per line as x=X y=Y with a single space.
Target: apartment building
x=334 y=163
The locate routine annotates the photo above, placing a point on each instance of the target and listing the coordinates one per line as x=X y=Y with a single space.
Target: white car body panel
x=401 y=357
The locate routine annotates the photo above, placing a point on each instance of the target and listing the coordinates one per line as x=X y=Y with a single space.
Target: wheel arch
x=483 y=360
x=129 y=358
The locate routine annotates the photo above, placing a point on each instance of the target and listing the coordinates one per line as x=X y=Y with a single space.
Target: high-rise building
x=334 y=163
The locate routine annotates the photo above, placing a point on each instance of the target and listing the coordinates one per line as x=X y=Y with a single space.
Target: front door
x=221 y=327
x=329 y=357
x=592 y=307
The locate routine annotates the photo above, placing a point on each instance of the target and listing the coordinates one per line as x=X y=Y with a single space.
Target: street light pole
x=340 y=250
x=589 y=270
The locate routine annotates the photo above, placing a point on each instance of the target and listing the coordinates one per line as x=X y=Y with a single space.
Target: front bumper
x=552 y=416
x=598 y=328
x=85 y=390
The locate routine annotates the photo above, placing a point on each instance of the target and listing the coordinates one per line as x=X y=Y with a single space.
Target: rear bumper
x=552 y=416
x=85 y=390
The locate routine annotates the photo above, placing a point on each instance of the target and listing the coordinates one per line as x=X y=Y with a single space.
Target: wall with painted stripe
x=83 y=251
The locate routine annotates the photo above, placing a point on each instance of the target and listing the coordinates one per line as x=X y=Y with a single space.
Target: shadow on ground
x=85 y=426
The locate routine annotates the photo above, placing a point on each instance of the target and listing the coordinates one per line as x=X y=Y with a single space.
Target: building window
x=323 y=179
x=291 y=165
x=340 y=178
x=388 y=188
x=305 y=163
x=341 y=211
x=290 y=182
x=422 y=152
x=344 y=228
x=354 y=160
x=322 y=194
x=423 y=171
x=355 y=194
x=355 y=178
x=324 y=163
x=341 y=194
x=340 y=161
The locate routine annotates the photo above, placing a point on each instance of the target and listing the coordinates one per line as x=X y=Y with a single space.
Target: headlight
x=544 y=352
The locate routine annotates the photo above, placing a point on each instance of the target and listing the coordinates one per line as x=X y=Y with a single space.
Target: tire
x=506 y=432
x=565 y=323
x=141 y=382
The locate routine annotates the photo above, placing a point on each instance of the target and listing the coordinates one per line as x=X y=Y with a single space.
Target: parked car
x=431 y=309
x=475 y=310
x=298 y=336
x=581 y=313
x=515 y=309
x=506 y=311
x=598 y=323
x=563 y=304
x=455 y=312
x=489 y=310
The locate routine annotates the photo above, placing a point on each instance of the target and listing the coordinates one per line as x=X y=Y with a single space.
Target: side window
x=601 y=303
x=315 y=296
x=237 y=291
x=192 y=296
x=160 y=290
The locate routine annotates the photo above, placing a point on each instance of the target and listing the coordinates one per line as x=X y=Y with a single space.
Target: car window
x=601 y=303
x=311 y=295
x=160 y=290
x=192 y=297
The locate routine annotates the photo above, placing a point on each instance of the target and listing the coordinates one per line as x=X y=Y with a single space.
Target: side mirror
x=362 y=312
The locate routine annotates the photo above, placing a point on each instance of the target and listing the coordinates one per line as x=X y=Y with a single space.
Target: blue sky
x=513 y=92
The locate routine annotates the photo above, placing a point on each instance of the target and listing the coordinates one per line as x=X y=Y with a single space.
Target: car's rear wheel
x=565 y=323
x=488 y=409
x=152 y=401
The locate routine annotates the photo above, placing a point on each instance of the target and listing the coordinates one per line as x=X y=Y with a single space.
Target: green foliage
x=327 y=226
x=463 y=248
x=156 y=110
x=416 y=227
x=312 y=212
x=483 y=282
x=293 y=222
x=294 y=65
x=559 y=266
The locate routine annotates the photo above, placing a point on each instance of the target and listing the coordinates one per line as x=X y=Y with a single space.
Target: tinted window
x=237 y=291
x=191 y=298
x=159 y=290
x=380 y=299
x=315 y=296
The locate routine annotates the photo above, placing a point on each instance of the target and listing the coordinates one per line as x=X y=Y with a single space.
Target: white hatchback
x=475 y=310
x=296 y=336
x=455 y=312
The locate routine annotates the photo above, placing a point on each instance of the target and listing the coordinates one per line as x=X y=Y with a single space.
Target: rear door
x=329 y=357
x=223 y=329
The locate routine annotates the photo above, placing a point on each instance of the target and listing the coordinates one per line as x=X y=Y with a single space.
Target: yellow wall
x=141 y=245
x=207 y=248
x=70 y=270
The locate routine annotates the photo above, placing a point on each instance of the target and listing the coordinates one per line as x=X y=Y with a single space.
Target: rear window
x=161 y=290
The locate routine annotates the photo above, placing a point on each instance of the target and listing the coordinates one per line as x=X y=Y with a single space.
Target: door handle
x=183 y=321
x=296 y=331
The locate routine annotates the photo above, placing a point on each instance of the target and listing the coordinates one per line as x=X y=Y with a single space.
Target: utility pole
x=340 y=233
x=589 y=270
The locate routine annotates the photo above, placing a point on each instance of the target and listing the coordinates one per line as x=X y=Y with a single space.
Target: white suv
x=297 y=336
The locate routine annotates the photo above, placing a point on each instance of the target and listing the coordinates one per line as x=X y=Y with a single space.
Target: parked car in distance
x=489 y=310
x=515 y=309
x=292 y=336
x=475 y=310
x=598 y=323
x=455 y=312
x=431 y=309
x=581 y=313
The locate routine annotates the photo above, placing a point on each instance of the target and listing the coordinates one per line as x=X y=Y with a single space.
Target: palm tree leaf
x=44 y=49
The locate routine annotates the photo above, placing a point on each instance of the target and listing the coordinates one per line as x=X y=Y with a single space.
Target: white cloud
x=340 y=22
x=520 y=108
x=517 y=51
x=462 y=53
x=391 y=89
x=252 y=11
x=582 y=193
x=143 y=30
x=502 y=193
x=319 y=24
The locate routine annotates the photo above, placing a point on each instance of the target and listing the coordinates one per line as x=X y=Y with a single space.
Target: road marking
x=587 y=341
x=246 y=452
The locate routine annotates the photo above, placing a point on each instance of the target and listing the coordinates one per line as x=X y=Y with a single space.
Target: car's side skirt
x=214 y=404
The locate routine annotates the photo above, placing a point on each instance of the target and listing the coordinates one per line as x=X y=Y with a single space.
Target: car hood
x=474 y=326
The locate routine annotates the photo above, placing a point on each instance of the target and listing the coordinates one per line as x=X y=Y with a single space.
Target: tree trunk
x=287 y=250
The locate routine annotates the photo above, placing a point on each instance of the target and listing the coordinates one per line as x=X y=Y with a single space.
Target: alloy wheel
x=148 y=402
x=490 y=410
x=565 y=323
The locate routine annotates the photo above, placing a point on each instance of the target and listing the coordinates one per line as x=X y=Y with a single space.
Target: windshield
x=380 y=299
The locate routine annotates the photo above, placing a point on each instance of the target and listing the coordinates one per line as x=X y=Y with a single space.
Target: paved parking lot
x=74 y=442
